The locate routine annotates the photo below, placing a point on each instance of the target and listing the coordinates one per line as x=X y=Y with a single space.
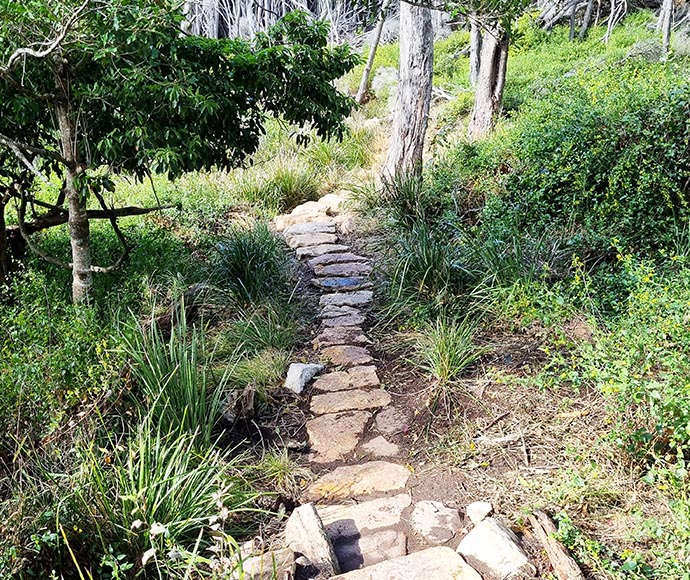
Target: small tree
x=102 y=86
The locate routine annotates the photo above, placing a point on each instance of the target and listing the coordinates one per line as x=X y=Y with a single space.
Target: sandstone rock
x=305 y=534
x=381 y=447
x=349 y=428
x=335 y=381
x=351 y=400
x=346 y=321
x=348 y=224
x=356 y=552
x=336 y=258
x=354 y=378
x=309 y=207
x=435 y=522
x=335 y=335
x=392 y=421
x=358 y=298
x=353 y=481
x=341 y=284
x=347 y=355
x=493 y=549
x=305 y=240
x=324 y=227
x=279 y=565
x=439 y=563
x=299 y=375
x=478 y=510
x=282 y=222
x=331 y=311
x=332 y=202
x=310 y=251
x=364 y=376
x=343 y=269
x=355 y=519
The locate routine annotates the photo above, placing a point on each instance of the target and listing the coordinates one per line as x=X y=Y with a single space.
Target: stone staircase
x=358 y=520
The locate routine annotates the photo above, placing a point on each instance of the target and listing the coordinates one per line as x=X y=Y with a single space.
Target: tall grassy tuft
x=251 y=263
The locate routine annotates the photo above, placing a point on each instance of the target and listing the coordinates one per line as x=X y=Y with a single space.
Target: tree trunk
x=78 y=221
x=573 y=12
x=666 y=25
x=488 y=96
x=364 y=85
x=587 y=18
x=4 y=254
x=411 y=117
x=475 y=49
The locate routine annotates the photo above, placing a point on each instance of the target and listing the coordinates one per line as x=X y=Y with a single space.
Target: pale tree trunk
x=488 y=96
x=414 y=91
x=4 y=255
x=666 y=19
x=82 y=276
x=586 y=19
x=475 y=49
x=364 y=85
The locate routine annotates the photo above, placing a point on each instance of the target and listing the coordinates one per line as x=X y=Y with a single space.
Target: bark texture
x=488 y=96
x=475 y=50
x=405 y=151
x=4 y=254
x=78 y=221
x=666 y=25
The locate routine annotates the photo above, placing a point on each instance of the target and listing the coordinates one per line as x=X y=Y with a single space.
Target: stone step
x=340 y=335
x=320 y=250
x=324 y=227
x=358 y=481
x=353 y=400
x=346 y=321
x=346 y=355
x=342 y=284
x=359 y=377
x=438 y=563
x=343 y=269
x=349 y=427
x=336 y=258
x=306 y=240
x=357 y=298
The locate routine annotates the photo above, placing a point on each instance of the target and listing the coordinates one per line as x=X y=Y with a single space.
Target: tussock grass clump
x=264 y=327
x=251 y=263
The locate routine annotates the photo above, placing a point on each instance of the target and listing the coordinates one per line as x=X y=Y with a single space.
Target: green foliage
x=270 y=326
x=251 y=263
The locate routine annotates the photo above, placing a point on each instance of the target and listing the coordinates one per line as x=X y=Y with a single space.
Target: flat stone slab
x=353 y=481
x=343 y=269
x=357 y=298
x=345 y=321
x=309 y=251
x=332 y=336
x=351 y=400
x=435 y=522
x=381 y=447
x=392 y=421
x=285 y=221
x=336 y=258
x=305 y=240
x=354 y=378
x=333 y=436
x=324 y=227
x=341 y=284
x=493 y=549
x=346 y=355
x=355 y=552
x=439 y=563
x=331 y=311
x=355 y=519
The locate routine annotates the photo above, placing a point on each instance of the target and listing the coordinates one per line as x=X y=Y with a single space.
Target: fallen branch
x=563 y=564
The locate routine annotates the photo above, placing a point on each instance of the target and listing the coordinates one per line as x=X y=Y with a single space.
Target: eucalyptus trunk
x=488 y=96
x=475 y=49
x=411 y=117
x=666 y=25
x=4 y=254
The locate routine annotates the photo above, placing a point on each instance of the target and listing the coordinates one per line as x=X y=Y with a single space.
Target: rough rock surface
x=493 y=549
x=356 y=481
x=438 y=563
x=381 y=447
x=331 y=311
x=478 y=510
x=310 y=228
x=344 y=321
x=348 y=426
x=357 y=298
x=346 y=355
x=299 y=375
x=342 y=284
x=279 y=565
x=435 y=522
x=391 y=421
x=358 y=551
x=343 y=269
x=312 y=239
x=341 y=335
x=349 y=520
x=350 y=400
x=336 y=258
x=310 y=251
x=306 y=536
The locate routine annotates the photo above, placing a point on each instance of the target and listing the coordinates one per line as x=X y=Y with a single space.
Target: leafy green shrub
x=252 y=263
x=289 y=184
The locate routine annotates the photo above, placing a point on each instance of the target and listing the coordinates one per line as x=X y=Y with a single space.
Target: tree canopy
x=118 y=84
